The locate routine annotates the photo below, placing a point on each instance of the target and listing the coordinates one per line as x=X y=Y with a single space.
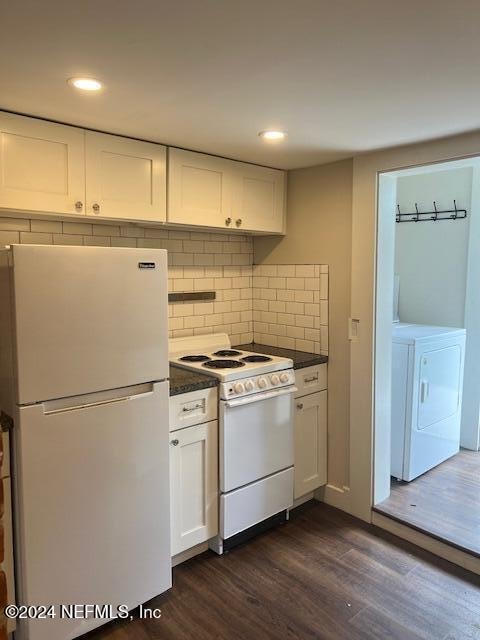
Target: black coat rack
x=436 y=215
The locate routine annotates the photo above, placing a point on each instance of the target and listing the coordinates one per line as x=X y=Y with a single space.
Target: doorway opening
x=427 y=382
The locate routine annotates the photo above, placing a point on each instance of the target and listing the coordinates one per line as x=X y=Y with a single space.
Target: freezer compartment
x=256 y=502
x=92 y=504
x=87 y=319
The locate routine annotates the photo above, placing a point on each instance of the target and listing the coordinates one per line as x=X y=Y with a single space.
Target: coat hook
x=455 y=215
x=416 y=209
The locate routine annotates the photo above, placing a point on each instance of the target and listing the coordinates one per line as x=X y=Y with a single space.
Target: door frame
x=368 y=401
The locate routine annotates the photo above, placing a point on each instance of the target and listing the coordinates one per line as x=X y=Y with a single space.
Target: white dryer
x=427 y=384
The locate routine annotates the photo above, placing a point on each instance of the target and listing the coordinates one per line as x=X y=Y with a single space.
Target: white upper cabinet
x=208 y=191
x=259 y=198
x=52 y=168
x=42 y=165
x=199 y=189
x=125 y=178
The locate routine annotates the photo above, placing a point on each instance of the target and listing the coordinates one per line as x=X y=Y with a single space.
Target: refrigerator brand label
x=146 y=265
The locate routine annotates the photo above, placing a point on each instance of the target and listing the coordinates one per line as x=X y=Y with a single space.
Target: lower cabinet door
x=310 y=442
x=193 y=485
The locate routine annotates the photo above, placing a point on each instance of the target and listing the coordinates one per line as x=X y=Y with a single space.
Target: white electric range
x=256 y=440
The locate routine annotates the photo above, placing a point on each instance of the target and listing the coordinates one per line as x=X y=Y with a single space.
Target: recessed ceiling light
x=272 y=135
x=85 y=84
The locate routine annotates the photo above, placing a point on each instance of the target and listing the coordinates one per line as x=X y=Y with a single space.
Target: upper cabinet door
x=199 y=189
x=125 y=178
x=42 y=165
x=259 y=199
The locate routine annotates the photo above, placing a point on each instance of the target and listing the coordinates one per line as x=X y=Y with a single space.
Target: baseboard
x=338 y=497
x=189 y=553
x=458 y=557
x=298 y=501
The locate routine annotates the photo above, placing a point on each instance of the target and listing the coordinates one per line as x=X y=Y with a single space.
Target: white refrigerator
x=84 y=375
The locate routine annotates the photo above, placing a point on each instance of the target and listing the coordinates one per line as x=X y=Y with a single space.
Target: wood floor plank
x=322 y=576
x=444 y=502
x=410 y=601
x=380 y=626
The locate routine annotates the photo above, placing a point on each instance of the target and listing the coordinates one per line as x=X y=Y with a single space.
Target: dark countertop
x=301 y=359
x=183 y=381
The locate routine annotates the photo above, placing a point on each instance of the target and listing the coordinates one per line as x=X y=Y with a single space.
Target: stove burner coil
x=224 y=353
x=198 y=358
x=223 y=364
x=256 y=358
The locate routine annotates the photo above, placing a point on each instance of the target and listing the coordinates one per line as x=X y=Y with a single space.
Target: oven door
x=256 y=437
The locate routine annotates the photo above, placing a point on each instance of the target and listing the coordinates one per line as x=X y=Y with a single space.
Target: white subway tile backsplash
x=46 y=226
x=193 y=246
x=298 y=296
x=205 y=259
x=242 y=258
x=14 y=224
x=304 y=321
x=284 y=305
x=203 y=284
x=9 y=237
x=77 y=228
x=324 y=312
x=96 y=241
x=63 y=238
x=150 y=243
x=132 y=231
x=111 y=230
x=303 y=296
x=191 y=322
x=123 y=242
x=26 y=237
x=287 y=295
x=312 y=284
x=324 y=286
x=286 y=270
x=296 y=283
x=305 y=270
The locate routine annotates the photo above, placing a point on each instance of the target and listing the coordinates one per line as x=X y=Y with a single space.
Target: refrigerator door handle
x=96 y=399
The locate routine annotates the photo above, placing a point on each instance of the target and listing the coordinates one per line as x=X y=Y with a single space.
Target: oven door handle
x=258 y=397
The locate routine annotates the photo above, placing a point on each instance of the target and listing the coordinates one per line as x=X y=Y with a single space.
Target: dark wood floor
x=323 y=575
x=444 y=502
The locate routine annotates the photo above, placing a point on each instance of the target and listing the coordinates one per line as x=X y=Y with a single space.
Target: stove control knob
x=238 y=387
x=284 y=377
x=262 y=383
x=274 y=379
x=249 y=385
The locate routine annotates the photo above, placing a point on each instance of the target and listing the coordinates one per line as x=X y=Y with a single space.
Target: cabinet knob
x=238 y=222
x=174 y=442
x=96 y=207
x=78 y=205
x=228 y=221
x=300 y=405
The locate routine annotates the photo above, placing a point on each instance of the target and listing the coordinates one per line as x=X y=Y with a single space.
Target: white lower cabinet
x=310 y=442
x=193 y=485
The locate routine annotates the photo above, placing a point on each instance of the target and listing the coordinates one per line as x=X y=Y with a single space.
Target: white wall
x=319 y=214
x=431 y=257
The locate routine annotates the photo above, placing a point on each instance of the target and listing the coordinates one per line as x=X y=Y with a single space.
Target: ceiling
x=340 y=77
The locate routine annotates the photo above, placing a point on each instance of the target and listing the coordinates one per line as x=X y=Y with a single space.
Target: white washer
x=427 y=383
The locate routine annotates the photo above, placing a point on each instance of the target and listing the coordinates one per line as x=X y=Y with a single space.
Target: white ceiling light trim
x=272 y=136
x=85 y=84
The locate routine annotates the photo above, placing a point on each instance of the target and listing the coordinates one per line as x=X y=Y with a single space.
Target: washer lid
x=409 y=333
